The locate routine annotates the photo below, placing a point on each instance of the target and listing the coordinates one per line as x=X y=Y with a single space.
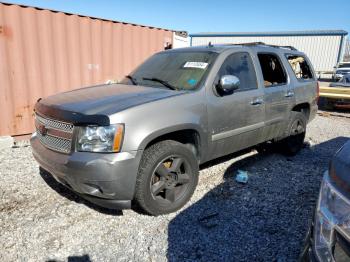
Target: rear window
x=300 y=67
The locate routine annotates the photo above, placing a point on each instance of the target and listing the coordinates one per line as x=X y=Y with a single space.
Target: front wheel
x=167 y=177
x=294 y=141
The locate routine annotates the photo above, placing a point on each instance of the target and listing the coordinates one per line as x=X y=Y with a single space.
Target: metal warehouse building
x=325 y=48
x=43 y=52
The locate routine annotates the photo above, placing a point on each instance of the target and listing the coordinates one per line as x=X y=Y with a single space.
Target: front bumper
x=308 y=253
x=106 y=179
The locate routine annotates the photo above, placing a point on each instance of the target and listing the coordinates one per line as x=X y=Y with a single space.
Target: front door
x=236 y=119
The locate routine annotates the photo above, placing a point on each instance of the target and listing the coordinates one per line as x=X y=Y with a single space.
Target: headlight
x=333 y=212
x=100 y=138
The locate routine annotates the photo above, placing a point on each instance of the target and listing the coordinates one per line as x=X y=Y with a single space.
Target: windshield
x=173 y=70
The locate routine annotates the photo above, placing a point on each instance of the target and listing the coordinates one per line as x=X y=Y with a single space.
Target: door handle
x=257 y=102
x=289 y=94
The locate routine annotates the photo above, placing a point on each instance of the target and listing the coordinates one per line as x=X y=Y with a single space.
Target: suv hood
x=101 y=100
x=340 y=169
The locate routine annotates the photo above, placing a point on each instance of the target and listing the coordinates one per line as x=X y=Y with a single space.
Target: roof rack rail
x=262 y=43
x=284 y=46
x=251 y=43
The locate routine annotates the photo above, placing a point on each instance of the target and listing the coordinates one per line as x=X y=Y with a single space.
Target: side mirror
x=229 y=83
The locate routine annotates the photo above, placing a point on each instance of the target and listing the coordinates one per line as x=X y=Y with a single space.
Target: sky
x=197 y=16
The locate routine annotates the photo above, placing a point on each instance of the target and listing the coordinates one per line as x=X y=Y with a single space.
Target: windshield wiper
x=132 y=79
x=163 y=82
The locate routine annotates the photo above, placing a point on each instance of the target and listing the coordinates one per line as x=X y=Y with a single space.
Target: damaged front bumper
x=105 y=179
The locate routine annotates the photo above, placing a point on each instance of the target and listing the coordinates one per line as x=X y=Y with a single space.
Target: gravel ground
x=264 y=220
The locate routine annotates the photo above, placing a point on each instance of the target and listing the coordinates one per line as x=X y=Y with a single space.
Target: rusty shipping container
x=43 y=52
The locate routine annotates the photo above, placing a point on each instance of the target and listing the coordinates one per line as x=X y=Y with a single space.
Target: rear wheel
x=167 y=177
x=294 y=141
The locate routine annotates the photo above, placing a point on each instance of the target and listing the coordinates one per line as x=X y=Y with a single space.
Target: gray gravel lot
x=264 y=220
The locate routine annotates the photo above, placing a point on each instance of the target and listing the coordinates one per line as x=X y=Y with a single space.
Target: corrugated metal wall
x=44 y=52
x=322 y=50
x=347 y=51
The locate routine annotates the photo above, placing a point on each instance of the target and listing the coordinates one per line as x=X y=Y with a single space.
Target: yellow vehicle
x=336 y=94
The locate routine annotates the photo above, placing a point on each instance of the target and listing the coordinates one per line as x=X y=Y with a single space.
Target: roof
x=218 y=48
x=277 y=33
x=91 y=17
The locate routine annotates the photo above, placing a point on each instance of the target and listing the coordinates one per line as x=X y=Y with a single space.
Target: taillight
x=317 y=91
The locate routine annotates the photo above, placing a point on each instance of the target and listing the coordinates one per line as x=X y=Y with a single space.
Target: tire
x=167 y=178
x=295 y=134
x=265 y=148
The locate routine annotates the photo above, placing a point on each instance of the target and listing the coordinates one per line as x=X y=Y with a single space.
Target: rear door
x=279 y=95
x=235 y=119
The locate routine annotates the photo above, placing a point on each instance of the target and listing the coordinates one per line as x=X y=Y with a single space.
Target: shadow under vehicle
x=263 y=220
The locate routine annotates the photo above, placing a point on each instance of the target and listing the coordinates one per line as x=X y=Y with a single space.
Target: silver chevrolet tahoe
x=141 y=141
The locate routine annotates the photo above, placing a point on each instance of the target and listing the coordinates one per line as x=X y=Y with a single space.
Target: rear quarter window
x=300 y=67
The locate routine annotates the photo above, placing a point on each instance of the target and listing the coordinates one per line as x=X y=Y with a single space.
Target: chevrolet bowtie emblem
x=43 y=130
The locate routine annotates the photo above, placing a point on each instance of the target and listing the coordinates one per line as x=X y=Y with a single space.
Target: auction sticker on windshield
x=201 y=65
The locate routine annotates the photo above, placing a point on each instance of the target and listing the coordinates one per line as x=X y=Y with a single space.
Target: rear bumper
x=107 y=180
x=313 y=111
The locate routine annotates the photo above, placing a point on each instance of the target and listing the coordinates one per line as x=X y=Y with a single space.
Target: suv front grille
x=58 y=125
x=341 y=248
x=54 y=134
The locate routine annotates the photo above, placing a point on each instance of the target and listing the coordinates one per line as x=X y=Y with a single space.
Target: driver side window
x=241 y=66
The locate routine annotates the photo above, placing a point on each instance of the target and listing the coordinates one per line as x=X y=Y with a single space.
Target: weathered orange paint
x=43 y=52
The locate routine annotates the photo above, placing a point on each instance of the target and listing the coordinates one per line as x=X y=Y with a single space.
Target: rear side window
x=240 y=65
x=300 y=67
x=272 y=69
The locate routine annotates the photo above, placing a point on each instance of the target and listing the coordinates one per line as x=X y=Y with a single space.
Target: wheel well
x=303 y=108
x=188 y=137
